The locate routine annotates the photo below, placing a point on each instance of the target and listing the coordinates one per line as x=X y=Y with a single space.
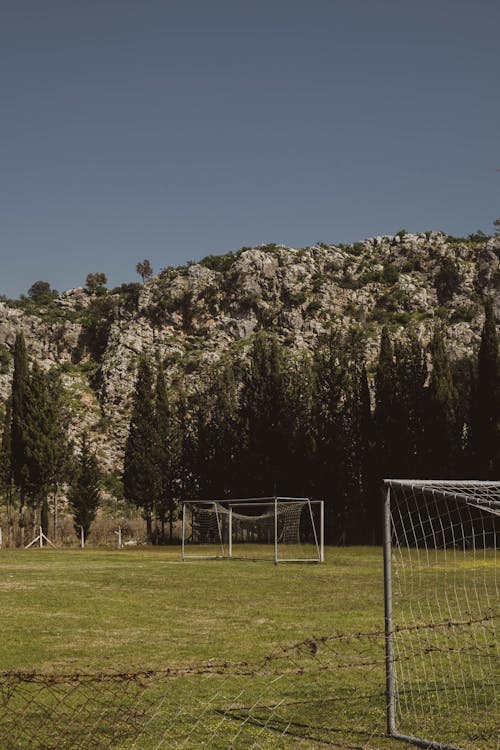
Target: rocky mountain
x=192 y=315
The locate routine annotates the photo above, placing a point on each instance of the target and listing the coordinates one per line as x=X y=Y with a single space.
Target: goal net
x=441 y=613
x=281 y=529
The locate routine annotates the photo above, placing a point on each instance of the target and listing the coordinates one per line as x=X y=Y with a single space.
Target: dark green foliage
x=385 y=404
x=219 y=441
x=262 y=409
x=129 y=295
x=97 y=321
x=41 y=291
x=485 y=406
x=411 y=376
x=5 y=360
x=340 y=412
x=96 y=282
x=140 y=474
x=84 y=493
x=463 y=313
x=19 y=389
x=144 y=269
x=441 y=431
x=44 y=439
x=220 y=263
x=6 y=452
x=390 y=273
x=447 y=281
x=167 y=440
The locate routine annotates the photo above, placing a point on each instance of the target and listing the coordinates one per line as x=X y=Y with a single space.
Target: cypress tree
x=411 y=376
x=19 y=386
x=262 y=405
x=43 y=440
x=385 y=406
x=140 y=479
x=218 y=433
x=440 y=428
x=84 y=494
x=485 y=407
x=6 y=464
x=333 y=438
x=298 y=427
x=167 y=446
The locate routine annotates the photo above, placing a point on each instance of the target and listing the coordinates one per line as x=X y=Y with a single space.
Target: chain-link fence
x=322 y=692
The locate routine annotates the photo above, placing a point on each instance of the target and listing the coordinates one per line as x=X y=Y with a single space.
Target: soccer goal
x=282 y=529
x=441 y=613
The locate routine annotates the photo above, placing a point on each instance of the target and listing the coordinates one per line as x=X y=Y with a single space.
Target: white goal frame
x=433 y=531
x=228 y=514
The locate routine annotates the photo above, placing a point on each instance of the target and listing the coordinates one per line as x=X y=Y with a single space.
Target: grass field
x=231 y=653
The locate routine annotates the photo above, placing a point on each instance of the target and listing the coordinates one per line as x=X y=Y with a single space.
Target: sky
x=169 y=130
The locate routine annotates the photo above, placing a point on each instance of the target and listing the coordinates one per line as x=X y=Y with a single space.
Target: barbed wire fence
x=322 y=692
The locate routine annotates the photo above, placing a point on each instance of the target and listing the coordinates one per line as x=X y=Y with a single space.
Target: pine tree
x=84 y=493
x=140 y=477
x=440 y=428
x=485 y=416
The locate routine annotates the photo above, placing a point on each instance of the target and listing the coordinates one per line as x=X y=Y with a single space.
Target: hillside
x=193 y=314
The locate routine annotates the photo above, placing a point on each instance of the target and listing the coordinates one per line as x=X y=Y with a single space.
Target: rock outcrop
x=193 y=314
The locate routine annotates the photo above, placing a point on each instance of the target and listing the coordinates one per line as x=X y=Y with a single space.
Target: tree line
x=36 y=458
x=318 y=425
x=276 y=421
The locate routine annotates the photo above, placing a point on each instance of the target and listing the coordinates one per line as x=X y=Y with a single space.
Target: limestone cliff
x=193 y=314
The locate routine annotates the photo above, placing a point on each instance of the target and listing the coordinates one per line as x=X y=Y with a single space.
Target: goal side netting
x=441 y=612
x=276 y=528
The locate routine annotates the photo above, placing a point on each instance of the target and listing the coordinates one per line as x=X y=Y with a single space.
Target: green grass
x=232 y=654
x=148 y=610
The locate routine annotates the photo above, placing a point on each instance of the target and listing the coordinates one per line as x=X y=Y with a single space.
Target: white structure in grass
x=442 y=604
x=284 y=529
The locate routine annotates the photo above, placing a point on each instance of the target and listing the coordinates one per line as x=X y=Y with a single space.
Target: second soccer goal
x=281 y=529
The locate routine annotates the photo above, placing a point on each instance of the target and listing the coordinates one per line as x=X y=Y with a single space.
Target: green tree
x=409 y=406
x=6 y=478
x=84 y=492
x=44 y=440
x=447 y=280
x=41 y=291
x=20 y=379
x=440 y=427
x=96 y=282
x=485 y=407
x=339 y=413
x=144 y=269
x=167 y=447
x=140 y=477
x=218 y=432
x=262 y=407
x=385 y=405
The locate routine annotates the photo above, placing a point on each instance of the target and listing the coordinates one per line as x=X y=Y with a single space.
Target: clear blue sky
x=171 y=129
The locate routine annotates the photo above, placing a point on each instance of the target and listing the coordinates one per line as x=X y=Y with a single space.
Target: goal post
x=441 y=612
x=281 y=529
